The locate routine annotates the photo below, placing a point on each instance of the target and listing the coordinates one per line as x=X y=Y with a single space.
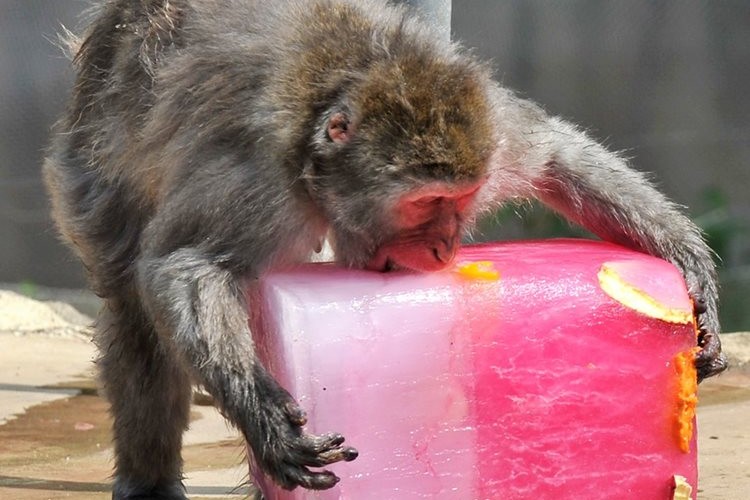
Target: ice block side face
x=538 y=384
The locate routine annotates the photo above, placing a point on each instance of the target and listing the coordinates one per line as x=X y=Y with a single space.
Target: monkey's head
x=398 y=160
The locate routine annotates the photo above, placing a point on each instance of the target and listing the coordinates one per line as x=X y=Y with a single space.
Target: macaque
x=208 y=142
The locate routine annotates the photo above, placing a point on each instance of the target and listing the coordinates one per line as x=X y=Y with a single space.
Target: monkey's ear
x=340 y=129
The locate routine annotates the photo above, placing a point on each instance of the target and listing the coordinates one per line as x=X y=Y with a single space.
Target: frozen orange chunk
x=478 y=270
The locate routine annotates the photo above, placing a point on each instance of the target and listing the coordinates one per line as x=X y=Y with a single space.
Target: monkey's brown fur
x=197 y=154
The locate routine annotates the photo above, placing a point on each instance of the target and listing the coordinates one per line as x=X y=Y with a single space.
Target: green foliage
x=528 y=221
x=729 y=236
x=719 y=226
x=28 y=288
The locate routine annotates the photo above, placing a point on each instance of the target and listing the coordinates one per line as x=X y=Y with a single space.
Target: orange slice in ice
x=478 y=270
x=617 y=280
x=687 y=397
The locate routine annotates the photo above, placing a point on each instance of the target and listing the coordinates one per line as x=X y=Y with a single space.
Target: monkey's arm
x=594 y=187
x=204 y=307
x=200 y=248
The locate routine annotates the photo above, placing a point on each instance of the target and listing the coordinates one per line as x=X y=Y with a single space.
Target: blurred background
x=667 y=82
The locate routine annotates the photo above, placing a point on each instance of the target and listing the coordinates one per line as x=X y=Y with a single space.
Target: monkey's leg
x=596 y=188
x=201 y=307
x=149 y=392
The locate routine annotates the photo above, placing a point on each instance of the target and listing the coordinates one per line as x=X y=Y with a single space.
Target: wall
x=665 y=81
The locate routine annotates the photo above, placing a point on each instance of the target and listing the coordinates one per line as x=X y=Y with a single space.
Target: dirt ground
x=724 y=437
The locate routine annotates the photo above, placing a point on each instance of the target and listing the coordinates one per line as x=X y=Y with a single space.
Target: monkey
x=209 y=142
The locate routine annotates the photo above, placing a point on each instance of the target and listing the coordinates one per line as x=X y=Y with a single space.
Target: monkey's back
x=99 y=203
x=163 y=85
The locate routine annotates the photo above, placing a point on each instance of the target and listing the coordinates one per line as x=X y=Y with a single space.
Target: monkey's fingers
x=318 y=451
x=700 y=306
x=295 y=413
x=313 y=451
x=710 y=360
x=301 y=476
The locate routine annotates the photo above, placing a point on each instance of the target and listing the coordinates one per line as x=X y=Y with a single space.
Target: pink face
x=430 y=220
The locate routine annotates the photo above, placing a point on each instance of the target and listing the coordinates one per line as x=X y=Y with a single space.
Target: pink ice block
x=535 y=386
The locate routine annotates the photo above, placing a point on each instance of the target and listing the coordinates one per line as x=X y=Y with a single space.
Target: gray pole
x=437 y=12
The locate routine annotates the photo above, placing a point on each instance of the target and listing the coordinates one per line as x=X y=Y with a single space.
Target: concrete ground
x=55 y=439
x=55 y=430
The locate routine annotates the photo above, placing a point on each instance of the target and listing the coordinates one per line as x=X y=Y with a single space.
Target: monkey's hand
x=709 y=361
x=284 y=450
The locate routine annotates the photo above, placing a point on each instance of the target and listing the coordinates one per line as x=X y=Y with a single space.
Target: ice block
x=560 y=369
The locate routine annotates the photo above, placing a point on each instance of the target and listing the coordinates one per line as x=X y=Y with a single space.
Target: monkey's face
x=390 y=204
x=398 y=162
x=429 y=224
x=418 y=229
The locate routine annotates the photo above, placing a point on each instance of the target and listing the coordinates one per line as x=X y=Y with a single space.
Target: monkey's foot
x=710 y=360
x=129 y=490
x=287 y=451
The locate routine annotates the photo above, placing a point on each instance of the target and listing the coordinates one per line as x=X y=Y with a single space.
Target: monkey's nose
x=445 y=252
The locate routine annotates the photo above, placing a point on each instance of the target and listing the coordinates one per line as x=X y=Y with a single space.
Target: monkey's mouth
x=408 y=256
x=391 y=265
x=382 y=262
x=385 y=263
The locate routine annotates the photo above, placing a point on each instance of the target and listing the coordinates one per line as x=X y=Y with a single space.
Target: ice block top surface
x=535 y=263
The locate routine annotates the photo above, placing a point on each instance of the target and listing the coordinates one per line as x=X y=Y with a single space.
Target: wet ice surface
x=537 y=385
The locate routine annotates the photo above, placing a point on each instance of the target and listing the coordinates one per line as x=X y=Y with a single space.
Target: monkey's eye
x=428 y=201
x=419 y=210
